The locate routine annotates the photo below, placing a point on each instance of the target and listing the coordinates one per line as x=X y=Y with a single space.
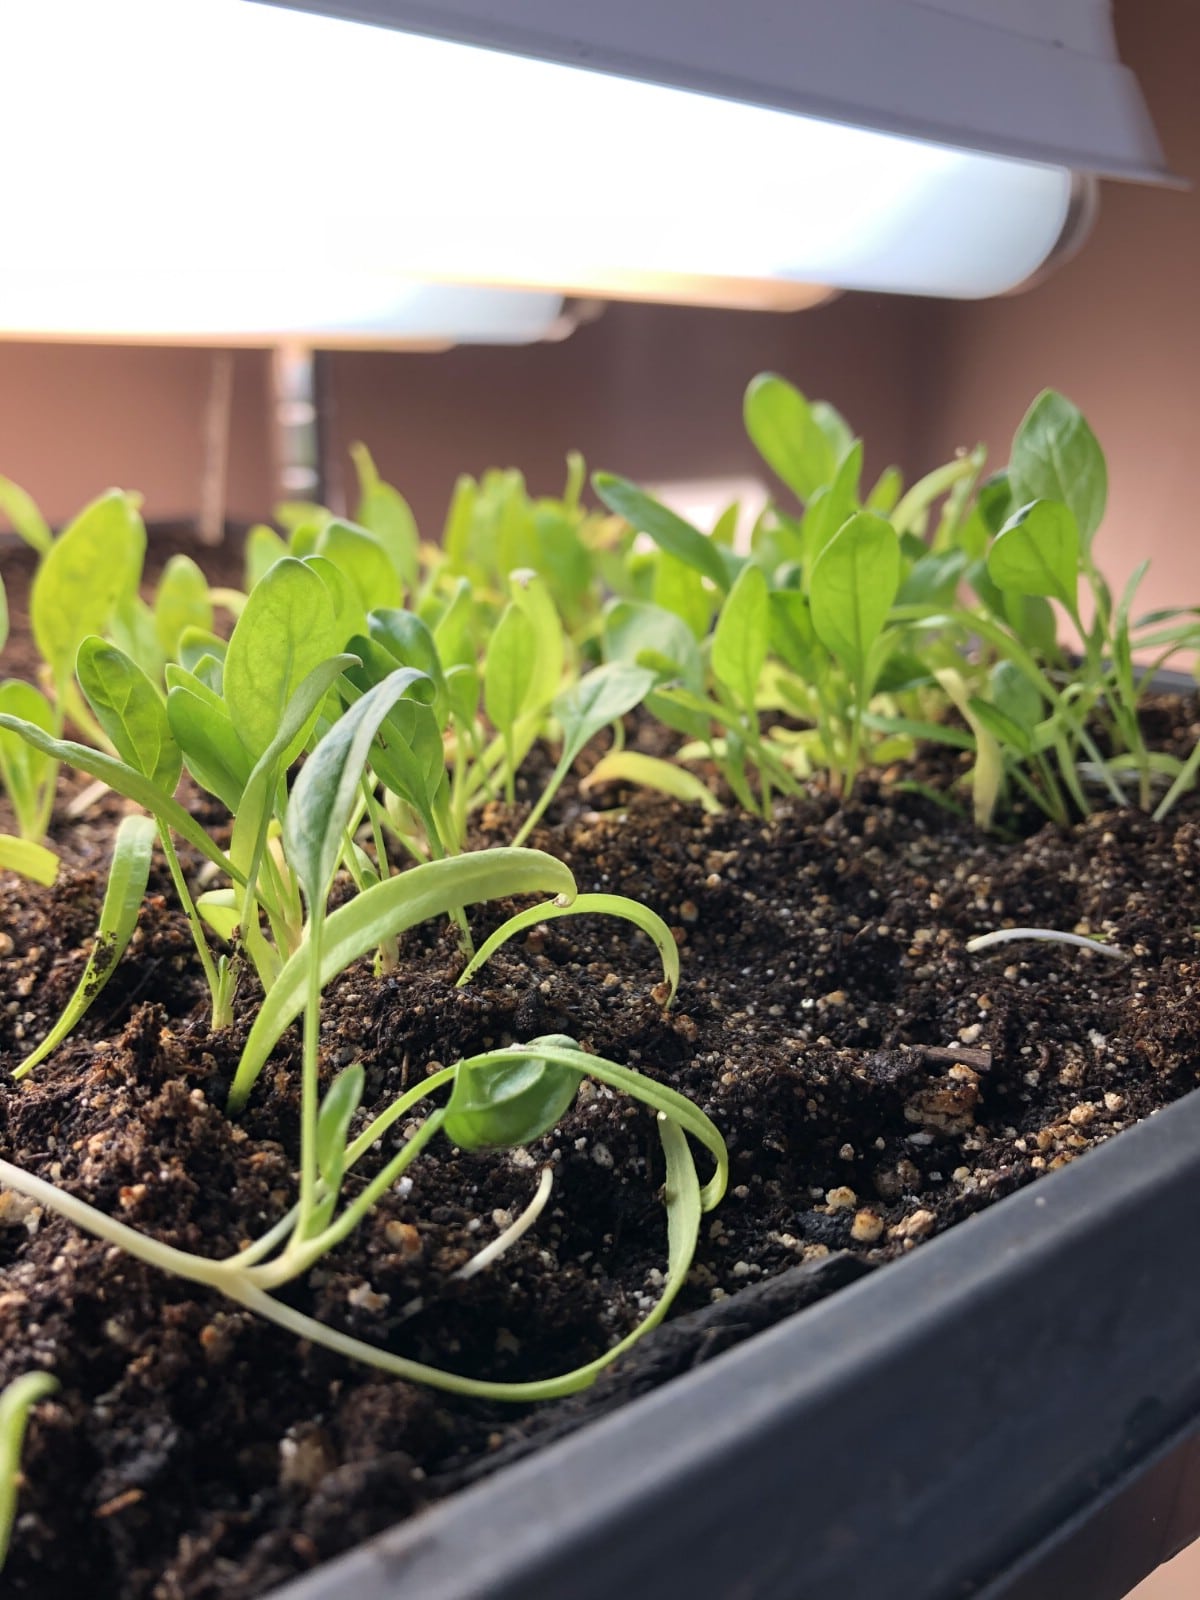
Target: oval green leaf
x=1037 y=553
x=130 y=710
x=853 y=586
x=287 y=629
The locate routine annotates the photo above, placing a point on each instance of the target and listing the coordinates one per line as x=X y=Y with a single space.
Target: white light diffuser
x=291 y=301
x=210 y=167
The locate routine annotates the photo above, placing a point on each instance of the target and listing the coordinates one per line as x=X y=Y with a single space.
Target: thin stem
x=510 y=777
x=852 y=758
x=310 y=1074
x=303 y=1251
x=221 y=1002
x=543 y=800
x=516 y=1229
x=382 y=864
x=1046 y=935
x=375 y=1130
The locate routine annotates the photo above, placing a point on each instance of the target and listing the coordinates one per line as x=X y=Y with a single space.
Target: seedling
x=17 y=1401
x=985 y=941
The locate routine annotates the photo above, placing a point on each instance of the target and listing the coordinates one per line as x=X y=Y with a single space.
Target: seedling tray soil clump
x=876 y=1084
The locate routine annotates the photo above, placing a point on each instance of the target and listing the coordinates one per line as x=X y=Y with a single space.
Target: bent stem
x=219 y=985
x=683 y=1198
x=21 y=1395
x=985 y=941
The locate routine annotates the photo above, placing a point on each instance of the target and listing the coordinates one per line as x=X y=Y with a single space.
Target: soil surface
x=876 y=1084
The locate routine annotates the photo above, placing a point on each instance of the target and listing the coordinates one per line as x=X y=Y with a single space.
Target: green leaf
x=130 y=710
x=988 y=774
x=1055 y=456
x=508 y=668
x=885 y=496
x=341 y=1101
x=788 y=436
x=82 y=579
x=22 y=512
x=127 y=880
x=853 y=586
x=18 y=1399
x=28 y=774
x=221 y=911
x=934 y=579
x=301 y=516
x=3 y=615
x=180 y=601
x=597 y=699
x=830 y=505
x=287 y=628
x=834 y=426
x=264 y=548
x=681 y=590
x=670 y=532
x=132 y=629
x=410 y=644
x=252 y=814
x=363 y=559
x=200 y=725
x=407 y=755
x=1002 y=727
x=1014 y=695
x=385 y=512
x=791 y=634
x=911 y=514
x=739 y=646
x=196 y=645
x=349 y=617
x=125 y=780
x=646 y=635
x=383 y=911
x=25 y=856
x=530 y=594
x=326 y=791
x=456 y=533
x=463 y=686
x=1037 y=553
x=501 y=1105
x=454 y=630
x=587 y=905
x=651 y=772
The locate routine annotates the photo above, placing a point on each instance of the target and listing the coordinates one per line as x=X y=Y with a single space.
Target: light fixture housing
x=1034 y=80
x=238 y=172
x=904 y=94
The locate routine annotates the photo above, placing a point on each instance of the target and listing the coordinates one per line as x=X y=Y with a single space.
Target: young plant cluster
x=344 y=732
x=374 y=691
x=866 y=617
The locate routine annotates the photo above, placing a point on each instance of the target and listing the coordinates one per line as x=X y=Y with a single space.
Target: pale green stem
x=222 y=1014
x=302 y=1252
x=510 y=776
x=263 y=1247
x=1046 y=936
x=310 y=1074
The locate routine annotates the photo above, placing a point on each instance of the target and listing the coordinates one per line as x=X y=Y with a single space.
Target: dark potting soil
x=875 y=1083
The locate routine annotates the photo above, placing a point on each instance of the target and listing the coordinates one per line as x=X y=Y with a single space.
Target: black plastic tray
x=1013 y=1412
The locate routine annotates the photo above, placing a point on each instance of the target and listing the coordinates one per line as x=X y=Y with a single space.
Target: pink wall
x=649 y=391
x=1117 y=329
x=77 y=419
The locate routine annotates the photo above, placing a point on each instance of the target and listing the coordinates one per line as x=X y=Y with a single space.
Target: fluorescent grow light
x=287 y=302
x=209 y=167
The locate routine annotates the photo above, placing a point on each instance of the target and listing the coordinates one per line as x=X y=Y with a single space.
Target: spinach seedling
x=985 y=941
x=16 y=1402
